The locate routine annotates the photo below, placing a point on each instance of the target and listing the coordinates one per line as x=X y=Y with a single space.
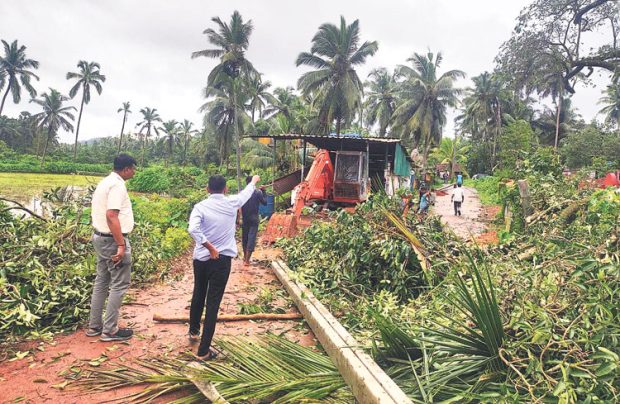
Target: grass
x=487 y=190
x=23 y=186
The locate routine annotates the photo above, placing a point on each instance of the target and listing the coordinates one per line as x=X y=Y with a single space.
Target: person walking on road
x=459 y=179
x=212 y=226
x=458 y=197
x=249 y=226
x=113 y=220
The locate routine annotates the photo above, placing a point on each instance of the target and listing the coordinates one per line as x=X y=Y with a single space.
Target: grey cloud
x=144 y=47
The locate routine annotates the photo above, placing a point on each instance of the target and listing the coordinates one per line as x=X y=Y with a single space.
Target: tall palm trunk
x=8 y=88
x=498 y=127
x=120 y=139
x=77 y=128
x=337 y=126
x=558 y=110
x=425 y=152
x=170 y=143
x=185 y=149
x=47 y=141
x=236 y=129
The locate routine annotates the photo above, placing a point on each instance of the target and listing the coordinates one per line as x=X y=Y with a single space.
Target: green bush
x=151 y=179
x=47 y=267
x=175 y=241
x=488 y=189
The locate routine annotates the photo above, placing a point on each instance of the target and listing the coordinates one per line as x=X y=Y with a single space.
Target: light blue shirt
x=213 y=220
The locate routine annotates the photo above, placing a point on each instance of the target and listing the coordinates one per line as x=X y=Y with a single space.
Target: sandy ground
x=32 y=378
x=470 y=224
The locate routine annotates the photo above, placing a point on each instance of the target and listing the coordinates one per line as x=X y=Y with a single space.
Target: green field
x=22 y=187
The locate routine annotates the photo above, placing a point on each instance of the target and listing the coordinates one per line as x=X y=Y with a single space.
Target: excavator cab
x=350 y=177
x=342 y=183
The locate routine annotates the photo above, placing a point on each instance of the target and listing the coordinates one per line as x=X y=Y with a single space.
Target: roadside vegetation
x=532 y=319
x=47 y=265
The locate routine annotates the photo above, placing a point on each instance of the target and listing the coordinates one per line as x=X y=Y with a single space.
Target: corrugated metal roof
x=348 y=136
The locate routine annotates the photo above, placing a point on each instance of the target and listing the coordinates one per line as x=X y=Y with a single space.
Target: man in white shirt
x=212 y=226
x=458 y=197
x=112 y=218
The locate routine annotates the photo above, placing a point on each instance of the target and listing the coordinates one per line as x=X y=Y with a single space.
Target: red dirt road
x=32 y=378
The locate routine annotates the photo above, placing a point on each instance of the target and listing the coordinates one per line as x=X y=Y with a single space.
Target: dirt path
x=469 y=224
x=32 y=378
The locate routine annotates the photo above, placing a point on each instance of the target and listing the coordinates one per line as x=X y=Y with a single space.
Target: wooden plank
x=232 y=317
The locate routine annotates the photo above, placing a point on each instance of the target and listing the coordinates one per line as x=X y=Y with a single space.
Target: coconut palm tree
x=553 y=127
x=231 y=41
x=15 y=69
x=149 y=118
x=553 y=86
x=171 y=131
x=381 y=99
x=259 y=96
x=186 y=134
x=285 y=105
x=482 y=115
x=89 y=75
x=425 y=96
x=453 y=152
x=338 y=90
x=223 y=114
x=53 y=117
x=125 y=109
x=611 y=100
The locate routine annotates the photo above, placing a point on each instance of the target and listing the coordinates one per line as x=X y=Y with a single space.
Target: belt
x=108 y=234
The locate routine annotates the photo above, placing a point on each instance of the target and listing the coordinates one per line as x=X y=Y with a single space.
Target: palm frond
x=269 y=368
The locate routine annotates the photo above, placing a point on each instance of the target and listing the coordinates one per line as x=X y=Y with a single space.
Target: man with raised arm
x=212 y=226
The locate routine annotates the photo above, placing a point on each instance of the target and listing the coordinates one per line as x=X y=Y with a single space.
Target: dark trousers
x=248 y=236
x=457 y=208
x=210 y=278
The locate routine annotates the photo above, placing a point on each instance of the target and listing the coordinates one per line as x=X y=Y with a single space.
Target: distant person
x=112 y=218
x=249 y=226
x=445 y=178
x=212 y=226
x=458 y=197
x=459 y=179
x=424 y=202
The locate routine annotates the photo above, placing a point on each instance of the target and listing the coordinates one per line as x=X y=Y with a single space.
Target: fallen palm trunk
x=232 y=317
x=206 y=387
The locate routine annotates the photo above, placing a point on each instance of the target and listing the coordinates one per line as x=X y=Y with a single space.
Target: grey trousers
x=112 y=282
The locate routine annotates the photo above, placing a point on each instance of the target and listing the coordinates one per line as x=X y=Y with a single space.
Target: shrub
x=151 y=179
x=175 y=241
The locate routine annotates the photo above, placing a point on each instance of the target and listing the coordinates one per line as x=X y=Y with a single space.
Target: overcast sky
x=144 y=47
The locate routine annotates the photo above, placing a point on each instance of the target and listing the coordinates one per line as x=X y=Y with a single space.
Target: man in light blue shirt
x=212 y=226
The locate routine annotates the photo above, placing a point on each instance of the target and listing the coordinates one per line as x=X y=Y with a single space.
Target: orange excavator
x=344 y=183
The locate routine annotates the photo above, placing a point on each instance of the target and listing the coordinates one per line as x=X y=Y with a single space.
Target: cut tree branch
x=19 y=206
x=589 y=7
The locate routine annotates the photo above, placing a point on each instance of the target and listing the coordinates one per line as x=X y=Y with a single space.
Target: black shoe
x=122 y=334
x=93 y=332
x=211 y=355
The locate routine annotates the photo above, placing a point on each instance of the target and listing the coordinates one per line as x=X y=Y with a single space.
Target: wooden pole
x=273 y=180
x=303 y=161
x=231 y=317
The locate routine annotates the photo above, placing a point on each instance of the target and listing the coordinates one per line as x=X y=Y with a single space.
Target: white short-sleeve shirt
x=111 y=193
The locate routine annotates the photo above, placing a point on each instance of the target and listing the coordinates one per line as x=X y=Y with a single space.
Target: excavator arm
x=318 y=185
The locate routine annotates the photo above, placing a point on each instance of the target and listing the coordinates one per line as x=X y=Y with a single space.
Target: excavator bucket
x=280 y=225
